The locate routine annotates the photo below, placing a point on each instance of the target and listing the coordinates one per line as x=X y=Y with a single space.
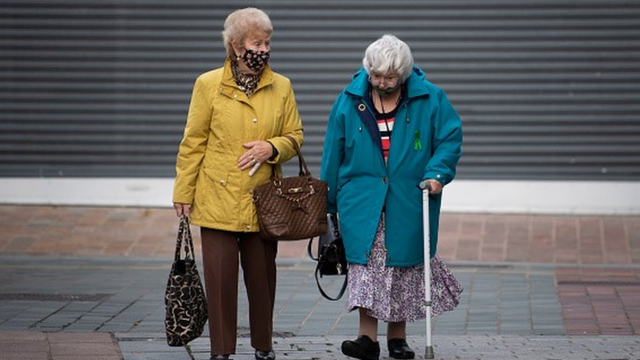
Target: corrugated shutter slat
x=546 y=89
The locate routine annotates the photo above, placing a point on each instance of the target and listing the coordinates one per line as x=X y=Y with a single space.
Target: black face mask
x=256 y=60
x=387 y=90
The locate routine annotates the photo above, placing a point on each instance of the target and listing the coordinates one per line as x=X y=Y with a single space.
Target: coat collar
x=416 y=85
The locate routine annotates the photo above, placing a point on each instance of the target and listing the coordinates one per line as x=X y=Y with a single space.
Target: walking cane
x=425 y=186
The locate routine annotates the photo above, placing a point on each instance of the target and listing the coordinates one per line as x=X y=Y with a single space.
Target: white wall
x=544 y=197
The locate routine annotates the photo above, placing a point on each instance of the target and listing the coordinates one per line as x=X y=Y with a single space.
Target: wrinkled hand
x=436 y=187
x=257 y=152
x=182 y=209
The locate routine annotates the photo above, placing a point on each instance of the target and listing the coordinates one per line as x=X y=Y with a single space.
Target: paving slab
x=464 y=347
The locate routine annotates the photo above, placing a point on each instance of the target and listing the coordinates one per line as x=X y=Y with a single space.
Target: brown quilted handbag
x=185 y=301
x=292 y=208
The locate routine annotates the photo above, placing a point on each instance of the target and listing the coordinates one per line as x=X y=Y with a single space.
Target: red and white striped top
x=385 y=125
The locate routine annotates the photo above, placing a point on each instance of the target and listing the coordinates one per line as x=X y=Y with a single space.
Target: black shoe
x=265 y=355
x=399 y=349
x=219 y=357
x=362 y=348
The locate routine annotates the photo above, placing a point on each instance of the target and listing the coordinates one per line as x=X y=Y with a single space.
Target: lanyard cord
x=384 y=113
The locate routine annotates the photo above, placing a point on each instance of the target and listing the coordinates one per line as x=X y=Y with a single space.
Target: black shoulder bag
x=331 y=256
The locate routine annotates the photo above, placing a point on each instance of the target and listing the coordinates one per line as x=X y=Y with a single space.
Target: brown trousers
x=220 y=251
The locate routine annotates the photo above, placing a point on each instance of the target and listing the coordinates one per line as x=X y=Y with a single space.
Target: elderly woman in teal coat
x=389 y=129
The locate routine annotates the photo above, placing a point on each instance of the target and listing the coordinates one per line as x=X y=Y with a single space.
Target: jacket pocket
x=214 y=188
x=341 y=186
x=217 y=177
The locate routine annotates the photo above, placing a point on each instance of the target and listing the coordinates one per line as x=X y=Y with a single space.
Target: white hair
x=388 y=54
x=241 y=23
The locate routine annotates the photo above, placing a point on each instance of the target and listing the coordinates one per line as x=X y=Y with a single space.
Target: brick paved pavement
x=560 y=240
x=571 y=275
x=507 y=311
x=583 y=240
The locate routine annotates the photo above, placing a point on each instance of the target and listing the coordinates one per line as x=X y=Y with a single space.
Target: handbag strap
x=310 y=251
x=302 y=164
x=342 y=290
x=184 y=234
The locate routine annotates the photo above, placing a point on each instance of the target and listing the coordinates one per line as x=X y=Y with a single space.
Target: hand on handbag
x=292 y=208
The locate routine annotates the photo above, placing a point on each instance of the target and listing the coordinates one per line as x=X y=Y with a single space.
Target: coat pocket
x=217 y=177
x=214 y=189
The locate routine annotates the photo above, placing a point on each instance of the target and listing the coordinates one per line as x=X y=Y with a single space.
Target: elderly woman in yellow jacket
x=238 y=119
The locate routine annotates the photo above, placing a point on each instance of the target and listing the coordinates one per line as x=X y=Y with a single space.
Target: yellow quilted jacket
x=222 y=118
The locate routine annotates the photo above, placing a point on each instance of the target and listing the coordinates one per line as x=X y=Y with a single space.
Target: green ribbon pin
x=417 y=145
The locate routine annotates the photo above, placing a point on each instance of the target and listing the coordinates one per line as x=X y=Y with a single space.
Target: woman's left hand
x=436 y=187
x=257 y=152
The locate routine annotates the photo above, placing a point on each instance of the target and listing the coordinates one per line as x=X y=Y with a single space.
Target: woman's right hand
x=182 y=209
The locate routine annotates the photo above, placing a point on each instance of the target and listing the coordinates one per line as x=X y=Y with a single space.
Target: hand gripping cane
x=425 y=186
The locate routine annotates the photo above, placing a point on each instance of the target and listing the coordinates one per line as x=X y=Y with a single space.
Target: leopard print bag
x=184 y=297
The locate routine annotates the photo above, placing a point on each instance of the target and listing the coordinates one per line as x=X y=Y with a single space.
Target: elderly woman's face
x=254 y=52
x=258 y=41
x=385 y=84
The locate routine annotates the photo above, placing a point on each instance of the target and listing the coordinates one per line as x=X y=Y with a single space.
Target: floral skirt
x=395 y=294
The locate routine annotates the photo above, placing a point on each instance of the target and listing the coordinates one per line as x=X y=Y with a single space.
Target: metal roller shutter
x=548 y=90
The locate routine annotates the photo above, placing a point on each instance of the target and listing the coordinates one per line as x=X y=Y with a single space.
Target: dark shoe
x=362 y=348
x=219 y=357
x=399 y=349
x=265 y=355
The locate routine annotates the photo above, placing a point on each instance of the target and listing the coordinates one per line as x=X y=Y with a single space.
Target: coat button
x=255 y=120
x=248 y=227
x=235 y=96
x=221 y=182
x=384 y=179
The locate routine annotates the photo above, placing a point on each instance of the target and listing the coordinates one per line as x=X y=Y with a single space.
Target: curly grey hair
x=240 y=23
x=388 y=54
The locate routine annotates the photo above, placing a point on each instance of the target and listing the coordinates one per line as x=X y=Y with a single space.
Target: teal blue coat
x=425 y=144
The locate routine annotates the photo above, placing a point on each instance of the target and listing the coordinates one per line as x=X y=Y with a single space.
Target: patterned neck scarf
x=247 y=83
